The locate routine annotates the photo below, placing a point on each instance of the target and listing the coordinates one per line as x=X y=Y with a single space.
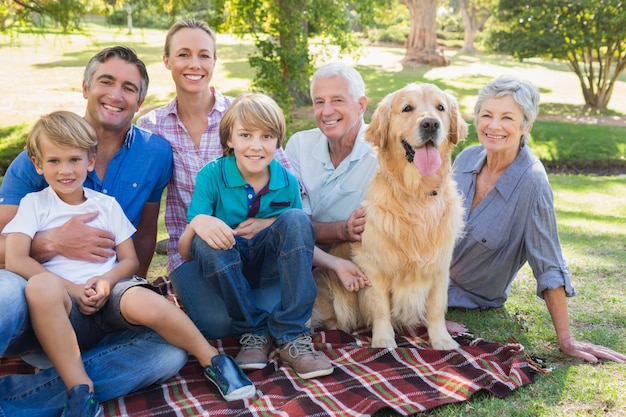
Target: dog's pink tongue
x=427 y=159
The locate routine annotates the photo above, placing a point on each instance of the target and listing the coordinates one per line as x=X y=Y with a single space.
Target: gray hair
x=524 y=93
x=121 y=52
x=356 y=85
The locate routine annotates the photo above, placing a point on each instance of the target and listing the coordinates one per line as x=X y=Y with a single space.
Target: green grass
x=12 y=143
x=590 y=210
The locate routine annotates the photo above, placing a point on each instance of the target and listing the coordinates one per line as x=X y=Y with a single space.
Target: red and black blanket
x=409 y=379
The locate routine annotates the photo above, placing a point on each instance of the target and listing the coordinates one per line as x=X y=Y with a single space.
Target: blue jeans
x=205 y=307
x=123 y=362
x=281 y=254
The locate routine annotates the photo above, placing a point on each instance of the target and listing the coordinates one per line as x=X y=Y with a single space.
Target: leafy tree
x=6 y=14
x=283 y=32
x=590 y=35
x=421 y=46
x=64 y=12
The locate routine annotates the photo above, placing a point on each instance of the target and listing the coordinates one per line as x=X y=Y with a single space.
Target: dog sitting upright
x=413 y=218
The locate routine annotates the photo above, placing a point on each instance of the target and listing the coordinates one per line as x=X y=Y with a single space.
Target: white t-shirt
x=44 y=210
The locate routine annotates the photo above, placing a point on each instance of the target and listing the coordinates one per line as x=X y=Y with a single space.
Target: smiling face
x=191 y=59
x=64 y=168
x=501 y=126
x=337 y=114
x=113 y=96
x=253 y=149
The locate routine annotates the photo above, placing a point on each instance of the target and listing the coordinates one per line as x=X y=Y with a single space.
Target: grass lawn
x=45 y=74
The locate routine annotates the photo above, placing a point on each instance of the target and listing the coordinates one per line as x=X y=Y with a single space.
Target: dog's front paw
x=444 y=344
x=384 y=342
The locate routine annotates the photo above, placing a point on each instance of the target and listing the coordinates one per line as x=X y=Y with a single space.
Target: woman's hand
x=589 y=352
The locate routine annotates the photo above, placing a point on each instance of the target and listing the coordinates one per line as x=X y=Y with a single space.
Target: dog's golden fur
x=412 y=223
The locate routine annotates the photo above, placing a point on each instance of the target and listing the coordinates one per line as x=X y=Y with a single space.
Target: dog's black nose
x=430 y=125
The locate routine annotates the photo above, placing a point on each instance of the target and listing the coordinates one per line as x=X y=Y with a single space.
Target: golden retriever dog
x=413 y=218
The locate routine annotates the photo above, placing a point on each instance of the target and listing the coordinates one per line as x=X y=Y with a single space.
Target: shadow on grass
x=380 y=81
x=148 y=54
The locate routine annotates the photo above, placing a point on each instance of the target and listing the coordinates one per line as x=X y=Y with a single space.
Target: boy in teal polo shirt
x=247 y=230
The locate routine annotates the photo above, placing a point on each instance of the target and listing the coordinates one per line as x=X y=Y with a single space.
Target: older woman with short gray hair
x=510 y=218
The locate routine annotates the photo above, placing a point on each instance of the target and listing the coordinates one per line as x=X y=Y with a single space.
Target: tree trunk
x=129 y=18
x=475 y=13
x=469 y=28
x=594 y=74
x=421 y=46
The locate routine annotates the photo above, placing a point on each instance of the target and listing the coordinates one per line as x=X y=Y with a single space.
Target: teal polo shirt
x=222 y=192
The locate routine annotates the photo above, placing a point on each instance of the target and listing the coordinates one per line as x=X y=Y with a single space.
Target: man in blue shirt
x=132 y=165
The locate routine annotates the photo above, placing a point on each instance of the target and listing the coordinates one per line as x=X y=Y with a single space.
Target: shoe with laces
x=304 y=359
x=254 y=351
x=229 y=379
x=82 y=403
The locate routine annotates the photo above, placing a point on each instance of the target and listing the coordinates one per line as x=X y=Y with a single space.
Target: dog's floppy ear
x=458 y=126
x=378 y=130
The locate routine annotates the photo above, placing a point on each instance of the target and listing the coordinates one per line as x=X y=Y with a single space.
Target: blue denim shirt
x=515 y=223
x=137 y=174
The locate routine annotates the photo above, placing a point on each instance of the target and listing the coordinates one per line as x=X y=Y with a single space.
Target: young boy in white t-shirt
x=73 y=303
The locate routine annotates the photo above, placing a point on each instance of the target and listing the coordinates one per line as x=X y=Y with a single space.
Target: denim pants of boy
x=123 y=362
x=206 y=308
x=281 y=253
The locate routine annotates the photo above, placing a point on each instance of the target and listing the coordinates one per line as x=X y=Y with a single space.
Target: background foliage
x=590 y=35
x=291 y=35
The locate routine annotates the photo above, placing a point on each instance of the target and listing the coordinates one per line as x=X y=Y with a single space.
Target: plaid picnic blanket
x=407 y=380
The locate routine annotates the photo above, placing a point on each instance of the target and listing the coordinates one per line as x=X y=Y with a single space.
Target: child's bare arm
x=348 y=272
x=20 y=262
x=17 y=256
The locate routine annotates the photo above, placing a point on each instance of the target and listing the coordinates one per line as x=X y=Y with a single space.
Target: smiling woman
x=510 y=218
x=189 y=55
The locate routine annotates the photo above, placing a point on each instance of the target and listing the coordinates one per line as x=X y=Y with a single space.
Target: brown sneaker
x=305 y=361
x=254 y=351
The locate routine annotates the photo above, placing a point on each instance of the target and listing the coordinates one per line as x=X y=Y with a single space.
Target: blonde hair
x=63 y=128
x=188 y=24
x=253 y=111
